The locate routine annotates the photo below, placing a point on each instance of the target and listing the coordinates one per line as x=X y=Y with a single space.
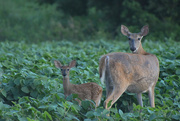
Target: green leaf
x=86 y=104
x=87 y=120
x=29 y=119
x=52 y=107
x=4 y=93
x=25 y=89
x=21 y=118
x=48 y=115
x=34 y=93
x=178 y=71
x=152 y=117
x=120 y=112
x=3 y=106
x=61 y=111
x=75 y=108
x=109 y=104
x=176 y=117
x=106 y=112
x=43 y=106
x=17 y=81
x=89 y=114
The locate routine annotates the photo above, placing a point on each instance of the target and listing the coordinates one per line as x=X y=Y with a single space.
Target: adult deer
x=136 y=72
x=90 y=91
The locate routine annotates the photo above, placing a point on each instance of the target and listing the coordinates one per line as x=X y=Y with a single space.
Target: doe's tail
x=103 y=68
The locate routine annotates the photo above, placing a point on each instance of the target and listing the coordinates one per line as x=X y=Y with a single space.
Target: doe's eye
x=67 y=69
x=139 y=38
x=129 y=38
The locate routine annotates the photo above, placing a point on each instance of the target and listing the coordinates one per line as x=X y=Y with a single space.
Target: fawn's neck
x=141 y=51
x=67 y=85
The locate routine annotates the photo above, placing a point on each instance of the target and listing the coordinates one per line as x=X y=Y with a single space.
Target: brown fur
x=89 y=91
x=136 y=73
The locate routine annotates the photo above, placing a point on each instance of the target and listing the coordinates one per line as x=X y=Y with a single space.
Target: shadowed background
x=40 y=20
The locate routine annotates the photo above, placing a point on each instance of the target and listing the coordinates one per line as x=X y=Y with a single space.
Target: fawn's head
x=134 y=38
x=65 y=69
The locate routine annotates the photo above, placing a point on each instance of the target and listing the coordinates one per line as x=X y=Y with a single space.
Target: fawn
x=90 y=91
x=136 y=72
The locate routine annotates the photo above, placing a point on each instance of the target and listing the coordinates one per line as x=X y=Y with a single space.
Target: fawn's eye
x=67 y=69
x=139 y=38
x=61 y=69
x=129 y=38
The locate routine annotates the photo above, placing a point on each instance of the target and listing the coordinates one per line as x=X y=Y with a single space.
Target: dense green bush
x=26 y=20
x=40 y=20
x=31 y=87
x=161 y=16
x=29 y=21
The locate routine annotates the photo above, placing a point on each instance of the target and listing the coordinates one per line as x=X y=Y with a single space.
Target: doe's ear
x=72 y=63
x=145 y=30
x=124 y=30
x=57 y=64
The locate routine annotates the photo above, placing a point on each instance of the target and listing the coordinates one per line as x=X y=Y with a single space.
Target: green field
x=31 y=86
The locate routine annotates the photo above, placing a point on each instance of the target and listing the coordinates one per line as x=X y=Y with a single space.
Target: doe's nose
x=132 y=48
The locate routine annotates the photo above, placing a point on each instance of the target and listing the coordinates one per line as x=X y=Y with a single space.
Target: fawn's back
x=90 y=91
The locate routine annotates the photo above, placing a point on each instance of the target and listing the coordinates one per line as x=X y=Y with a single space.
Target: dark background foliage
x=86 y=19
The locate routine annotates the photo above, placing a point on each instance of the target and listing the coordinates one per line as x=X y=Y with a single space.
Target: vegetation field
x=31 y=86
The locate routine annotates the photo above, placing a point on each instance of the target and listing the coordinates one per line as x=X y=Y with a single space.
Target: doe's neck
x=140 y=50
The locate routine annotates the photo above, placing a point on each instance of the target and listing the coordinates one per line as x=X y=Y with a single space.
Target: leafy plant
x=31 y=87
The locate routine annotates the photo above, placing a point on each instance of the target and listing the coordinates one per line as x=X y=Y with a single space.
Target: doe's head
x=65 y=69
x=134 y=38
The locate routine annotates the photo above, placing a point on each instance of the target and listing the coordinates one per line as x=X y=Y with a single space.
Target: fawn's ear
x=124 y=30
x=144 y=30
x=57 y=64
x=72 y=63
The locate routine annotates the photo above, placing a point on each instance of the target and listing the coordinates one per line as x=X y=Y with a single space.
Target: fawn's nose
x=64 y=73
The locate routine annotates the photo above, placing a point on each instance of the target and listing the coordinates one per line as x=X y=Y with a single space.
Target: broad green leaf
x=120 y=112
x=109 y=103
x=75 y=108
x=86 y=104
x=87 y=119
x=52 y=107
x=17 y=81
x=152 y=116
x=29 y=119
x=61 y=111
x=34 y=93
x=176 y=117
x=89 y=114
x=43 y=106
x=178 y=71
x=21 y=118
x=3 y=106
x=4 y=92
x=25 y=89
x=48 y=115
